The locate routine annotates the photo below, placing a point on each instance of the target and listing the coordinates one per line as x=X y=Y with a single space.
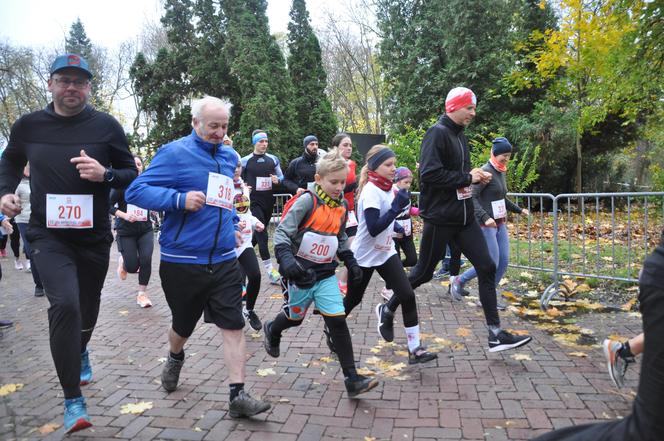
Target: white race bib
x=318 y=248
x=407 y=226
x=384 y=241
x=141 y=214
x=499 y=209
x=352 y=220
x=69 y=211
x=263 y=183
x=220 y=191
x=464 y=193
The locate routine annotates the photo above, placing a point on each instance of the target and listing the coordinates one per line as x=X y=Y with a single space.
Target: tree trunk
x=579 y=162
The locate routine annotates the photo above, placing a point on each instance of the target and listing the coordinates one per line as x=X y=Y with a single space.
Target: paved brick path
x=468 y=394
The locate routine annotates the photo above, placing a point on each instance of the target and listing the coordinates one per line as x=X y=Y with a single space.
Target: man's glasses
x=66 y=82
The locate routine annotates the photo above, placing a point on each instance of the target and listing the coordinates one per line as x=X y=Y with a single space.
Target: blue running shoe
x=76 y=415
x=86 y=369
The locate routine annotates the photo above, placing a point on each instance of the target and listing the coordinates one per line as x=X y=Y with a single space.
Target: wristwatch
x=108 y=175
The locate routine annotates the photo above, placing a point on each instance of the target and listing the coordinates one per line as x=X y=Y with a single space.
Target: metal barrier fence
x=590 y=235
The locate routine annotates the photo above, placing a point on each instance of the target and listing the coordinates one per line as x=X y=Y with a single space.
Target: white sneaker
x=28 y=266
x=142 y=300
x=18 y=265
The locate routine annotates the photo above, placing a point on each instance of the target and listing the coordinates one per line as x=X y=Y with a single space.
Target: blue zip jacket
x=206 y=236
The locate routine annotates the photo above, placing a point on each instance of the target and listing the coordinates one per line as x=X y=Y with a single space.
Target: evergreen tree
x=305 y=65
x=79 y=43
x=264 y=87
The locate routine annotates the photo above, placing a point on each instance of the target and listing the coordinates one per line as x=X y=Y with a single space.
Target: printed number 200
x=319 y=249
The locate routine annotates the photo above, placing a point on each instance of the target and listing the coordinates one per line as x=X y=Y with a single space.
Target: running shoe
x=253 y=319
x=86 y=368
x=455 y=288
x=28 y=266
x=143 y=300
x=615 y=363
x=504 y=341
x=359 y=384
x=170 y=375
x=76 y=415
x=244 y=405
x=270 y=342
x=4 y=324
x=18 y=265
x=420 y=355
x=3 y=253
x=122 y=272
x=385 y=322
x=274 y=276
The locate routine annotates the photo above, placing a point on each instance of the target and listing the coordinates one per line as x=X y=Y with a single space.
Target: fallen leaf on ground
x=369 y=438
x=629 y=305
x=503 y=281
x=48 y=428
x=510 y=296
x=197 y=429
x=366 y=371
x=578 y=354
x=7 y=389
x=374 y=350
x=374 y=360
x=284 y=400
x=518 y=331
x=526 y=275
x=136 y=408
x=401 y=353
x=554 y=312
x=265 y=372
x=123 y=312
x=326 y=359
x=463 y=332
x=617 y=337
x=444 y=283
x=255 y=335
x=521 y=357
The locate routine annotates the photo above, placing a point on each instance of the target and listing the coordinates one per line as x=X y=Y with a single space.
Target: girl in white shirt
x=373 y=247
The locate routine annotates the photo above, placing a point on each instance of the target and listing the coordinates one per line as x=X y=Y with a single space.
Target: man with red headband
x=446 y=207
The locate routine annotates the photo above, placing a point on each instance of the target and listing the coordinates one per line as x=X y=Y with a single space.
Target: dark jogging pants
x=137 y=254
x=73 y=276
x=262 y=209
x=251 y=270
x=470 y=241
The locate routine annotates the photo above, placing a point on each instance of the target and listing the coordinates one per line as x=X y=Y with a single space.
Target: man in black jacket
x=446 y=208
x=76 y=156
x=302 y=169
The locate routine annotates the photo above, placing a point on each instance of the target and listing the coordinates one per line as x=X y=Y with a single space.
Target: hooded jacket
x=444 y=168
x=206 y=236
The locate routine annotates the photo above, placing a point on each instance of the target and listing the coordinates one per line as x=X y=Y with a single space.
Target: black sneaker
x=253 y=319
x=420 y=355
x=504 y=341
x=359 y=384
x=328 y=339
x=244 y=405
x=39 y=292
x=4 y=324
x=385 y=322
x=171 y=373
x=271 y=343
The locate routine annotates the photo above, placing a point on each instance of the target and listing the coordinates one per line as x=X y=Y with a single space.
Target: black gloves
x=355 y=273
x=401 y=200
x=292 y=270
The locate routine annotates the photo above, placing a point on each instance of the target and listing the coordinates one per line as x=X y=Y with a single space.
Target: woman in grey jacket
x=491 y=207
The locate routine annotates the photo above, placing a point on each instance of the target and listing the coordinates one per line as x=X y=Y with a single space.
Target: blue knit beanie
x=501 y=146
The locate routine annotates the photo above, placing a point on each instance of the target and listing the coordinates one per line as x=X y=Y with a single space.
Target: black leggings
x=73 y=277
x=14 y=241
x=23 y=229
x=262 y=209
x=468 y=239
x=406 y=245
x=137 y=254
x=392 y=272
x=343 y=344
x=645 y=422
x=249 y=266
x=455 y=259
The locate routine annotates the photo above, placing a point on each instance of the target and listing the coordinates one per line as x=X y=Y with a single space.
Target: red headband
x=458 y=98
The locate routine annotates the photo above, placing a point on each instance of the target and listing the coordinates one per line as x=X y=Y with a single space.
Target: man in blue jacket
x=191 y=180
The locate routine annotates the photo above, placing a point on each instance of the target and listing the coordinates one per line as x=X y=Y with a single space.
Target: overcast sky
x=46 y=23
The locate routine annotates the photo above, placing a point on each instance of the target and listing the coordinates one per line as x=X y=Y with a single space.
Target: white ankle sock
x=413 y=334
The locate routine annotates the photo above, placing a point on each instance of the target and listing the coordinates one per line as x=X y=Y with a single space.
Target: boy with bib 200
x=310 y=235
